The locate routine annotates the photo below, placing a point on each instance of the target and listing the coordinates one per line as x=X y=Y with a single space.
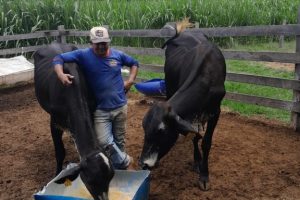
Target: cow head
x=96 y=172
x=162 y=127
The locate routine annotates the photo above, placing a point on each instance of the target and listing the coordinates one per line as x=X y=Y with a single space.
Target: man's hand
x=127 y=85
x=66 y=79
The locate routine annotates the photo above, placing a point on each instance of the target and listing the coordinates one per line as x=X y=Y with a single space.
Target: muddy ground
x=250 y=158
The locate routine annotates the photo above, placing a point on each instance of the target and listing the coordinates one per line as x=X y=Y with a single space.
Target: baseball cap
x=99 y=34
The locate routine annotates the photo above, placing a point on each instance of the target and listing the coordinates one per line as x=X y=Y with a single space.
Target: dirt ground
x=250 y=158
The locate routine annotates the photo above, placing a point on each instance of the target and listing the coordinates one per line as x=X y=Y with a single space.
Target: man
x=101 y=65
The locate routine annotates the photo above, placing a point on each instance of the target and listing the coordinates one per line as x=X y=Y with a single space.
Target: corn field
x=19 y=16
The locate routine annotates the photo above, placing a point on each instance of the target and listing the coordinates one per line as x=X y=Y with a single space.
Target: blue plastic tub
x=125 y=185
x=153 y=87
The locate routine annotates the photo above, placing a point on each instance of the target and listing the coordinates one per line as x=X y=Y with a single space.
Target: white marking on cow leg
x=151 y=160
x=104 y=158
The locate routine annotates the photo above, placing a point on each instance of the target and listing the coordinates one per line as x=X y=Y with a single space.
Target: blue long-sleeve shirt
x=103 y=74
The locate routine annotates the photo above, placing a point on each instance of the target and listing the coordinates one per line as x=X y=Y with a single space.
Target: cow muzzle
x=144 y=166
x=149 y=163
x=103 y=196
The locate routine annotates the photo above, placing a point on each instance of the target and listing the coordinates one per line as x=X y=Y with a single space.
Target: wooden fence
x=270 y=30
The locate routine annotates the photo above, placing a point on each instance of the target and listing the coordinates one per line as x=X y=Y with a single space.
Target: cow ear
x=184 y=127
x=71 y=172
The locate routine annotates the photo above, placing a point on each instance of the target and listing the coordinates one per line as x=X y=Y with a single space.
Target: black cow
x=195 y=72
x=70 y=108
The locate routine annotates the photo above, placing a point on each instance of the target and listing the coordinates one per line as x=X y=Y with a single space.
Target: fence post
x=281 y=37
x=62 y=37
x=296 y=116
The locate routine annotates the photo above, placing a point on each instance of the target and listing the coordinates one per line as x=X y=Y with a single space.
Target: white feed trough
x=125 y=185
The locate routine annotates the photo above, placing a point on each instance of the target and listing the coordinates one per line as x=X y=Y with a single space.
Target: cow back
x=194 y=67
x=47 y=86
x=182 y=57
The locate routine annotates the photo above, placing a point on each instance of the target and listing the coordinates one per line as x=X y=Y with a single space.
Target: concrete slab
x=14 y=70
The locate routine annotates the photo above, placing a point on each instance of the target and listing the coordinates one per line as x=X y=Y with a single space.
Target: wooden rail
x=281 y=30
x=242 y=78
x=233 y=55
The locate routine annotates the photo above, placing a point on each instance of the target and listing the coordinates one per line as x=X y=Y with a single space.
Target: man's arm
x=58 y=62
x=133 y=64
x=132 y=75
x=66 y=79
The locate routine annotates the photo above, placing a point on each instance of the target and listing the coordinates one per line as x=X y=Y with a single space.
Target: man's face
x=100 y=48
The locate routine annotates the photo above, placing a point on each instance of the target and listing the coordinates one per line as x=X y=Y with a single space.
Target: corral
x=250 y=158
x=63 y=35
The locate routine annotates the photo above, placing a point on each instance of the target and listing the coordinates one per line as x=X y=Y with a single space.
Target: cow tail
x=179 y=28
x=182 y=25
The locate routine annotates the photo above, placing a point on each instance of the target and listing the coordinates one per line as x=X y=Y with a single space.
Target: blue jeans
x=110 y=127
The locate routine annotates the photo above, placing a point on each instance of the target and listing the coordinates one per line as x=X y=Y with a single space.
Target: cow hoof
x=204 y=184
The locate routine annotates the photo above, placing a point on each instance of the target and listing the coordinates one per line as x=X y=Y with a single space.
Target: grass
x=258 y=68
x=266 y=44
x=260 y=111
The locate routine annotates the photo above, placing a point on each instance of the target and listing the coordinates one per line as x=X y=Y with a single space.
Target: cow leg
x=197 y=154
x=58 y=146
x=206 y=145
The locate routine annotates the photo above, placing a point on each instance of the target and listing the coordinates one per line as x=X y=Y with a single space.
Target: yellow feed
x=113 y=194
x=68 y=182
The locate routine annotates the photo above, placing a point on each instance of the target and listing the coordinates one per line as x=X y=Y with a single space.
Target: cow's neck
x=83 y=135
x=178 y=105
x=186 y=105
x=81 y=123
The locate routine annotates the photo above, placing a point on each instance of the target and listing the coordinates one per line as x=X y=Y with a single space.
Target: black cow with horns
x=70 y=108
x=195 y=72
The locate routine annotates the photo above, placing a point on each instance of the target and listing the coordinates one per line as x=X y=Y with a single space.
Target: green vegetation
x=18 y=16
x=253 y=110
x=289 y=46
x=257 y=68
